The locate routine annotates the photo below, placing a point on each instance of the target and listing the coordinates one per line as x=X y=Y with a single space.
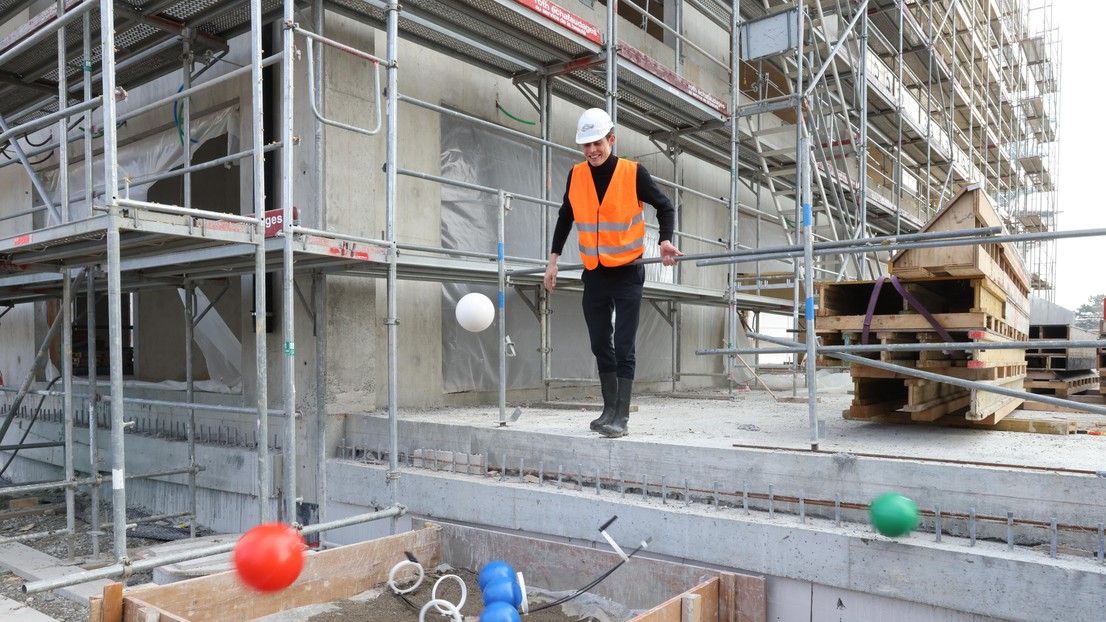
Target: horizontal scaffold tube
x=150 y=402
x=876 y=244
x=128 y=568
x=185 y=211
x=868 y=245
x=913 y=347
x=967 y=384
x=45 y=31
x=479 y=188
x=230 y=75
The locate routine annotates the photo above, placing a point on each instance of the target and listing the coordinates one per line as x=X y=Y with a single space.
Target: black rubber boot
x=608 y=384
x=619 y=427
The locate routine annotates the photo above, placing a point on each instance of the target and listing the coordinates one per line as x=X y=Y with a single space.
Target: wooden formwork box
x=1102 y=358
x=976 y=293
x=1061 y=359
x=998 y=263
x=958 y=305
x=339 y=573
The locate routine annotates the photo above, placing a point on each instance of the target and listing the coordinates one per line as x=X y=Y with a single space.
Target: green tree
x=1089 y=314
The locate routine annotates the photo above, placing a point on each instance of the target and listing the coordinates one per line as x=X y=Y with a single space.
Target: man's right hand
x=551 y=274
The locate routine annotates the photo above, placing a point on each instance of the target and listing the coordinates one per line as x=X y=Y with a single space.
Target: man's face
x=597 y=152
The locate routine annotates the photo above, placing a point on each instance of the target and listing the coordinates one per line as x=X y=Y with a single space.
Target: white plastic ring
x=524 y=606
x=464 y=593
x=451 y=611
x=401 y=566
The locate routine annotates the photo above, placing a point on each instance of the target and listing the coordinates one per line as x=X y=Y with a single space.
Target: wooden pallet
x=1013 y=423
x=1093 y=400
x=974 y=293
x=1060 y=358
x=1061 y=384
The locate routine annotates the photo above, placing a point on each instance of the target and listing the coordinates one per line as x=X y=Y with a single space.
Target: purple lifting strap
x=913 y=302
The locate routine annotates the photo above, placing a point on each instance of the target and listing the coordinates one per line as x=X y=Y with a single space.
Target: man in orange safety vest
x=604 y=197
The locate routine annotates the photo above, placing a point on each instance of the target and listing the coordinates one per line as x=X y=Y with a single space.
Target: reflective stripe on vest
x=611 y=233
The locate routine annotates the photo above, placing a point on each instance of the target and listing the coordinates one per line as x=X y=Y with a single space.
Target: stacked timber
x=1062 y=372
x=976 y=293
x=1102 y=356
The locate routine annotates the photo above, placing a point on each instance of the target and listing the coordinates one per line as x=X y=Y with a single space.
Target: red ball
x=269 y=557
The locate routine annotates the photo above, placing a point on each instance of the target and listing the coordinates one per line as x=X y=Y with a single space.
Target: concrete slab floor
x=755 y=419
x=12 y=611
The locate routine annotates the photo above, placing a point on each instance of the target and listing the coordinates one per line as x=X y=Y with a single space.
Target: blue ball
x=495 y=570
x=503 y=591
x=499 y=612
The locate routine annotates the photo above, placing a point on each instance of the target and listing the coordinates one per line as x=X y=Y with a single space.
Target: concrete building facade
x=856 y=122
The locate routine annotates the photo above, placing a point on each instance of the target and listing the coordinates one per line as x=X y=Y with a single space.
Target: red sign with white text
x=274 y=221
x=564 y=17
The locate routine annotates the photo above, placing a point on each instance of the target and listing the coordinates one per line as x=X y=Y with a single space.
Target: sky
x=1081 y=262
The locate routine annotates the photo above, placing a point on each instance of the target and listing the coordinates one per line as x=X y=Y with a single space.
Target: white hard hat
x=594 y=124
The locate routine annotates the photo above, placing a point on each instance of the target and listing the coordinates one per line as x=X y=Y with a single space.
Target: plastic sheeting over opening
x=161 y=152
x=470 y=361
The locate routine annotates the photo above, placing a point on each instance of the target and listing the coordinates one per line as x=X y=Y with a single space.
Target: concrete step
x=14 y=611
x=189 y=569
x=33 y=565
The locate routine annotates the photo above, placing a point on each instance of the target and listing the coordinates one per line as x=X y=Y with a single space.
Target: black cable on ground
x=589 y=586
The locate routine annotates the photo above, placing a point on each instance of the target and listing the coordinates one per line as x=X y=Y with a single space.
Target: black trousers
x=616 y=290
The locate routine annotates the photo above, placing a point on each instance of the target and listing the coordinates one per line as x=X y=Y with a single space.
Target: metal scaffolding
x=858 y=122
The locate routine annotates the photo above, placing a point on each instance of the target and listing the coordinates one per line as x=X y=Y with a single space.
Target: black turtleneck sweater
x=647 y=192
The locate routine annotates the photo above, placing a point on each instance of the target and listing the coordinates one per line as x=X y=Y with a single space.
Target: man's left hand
x=669 y=253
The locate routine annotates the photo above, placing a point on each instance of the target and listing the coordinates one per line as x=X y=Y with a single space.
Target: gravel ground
x=53 y=604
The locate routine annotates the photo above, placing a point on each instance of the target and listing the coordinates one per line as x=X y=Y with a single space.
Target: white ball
x=475 y=312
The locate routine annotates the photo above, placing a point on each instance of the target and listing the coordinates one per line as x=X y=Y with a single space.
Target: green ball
x=893 y=515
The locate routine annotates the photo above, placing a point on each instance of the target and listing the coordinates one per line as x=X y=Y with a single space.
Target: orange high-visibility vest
x=613 y=232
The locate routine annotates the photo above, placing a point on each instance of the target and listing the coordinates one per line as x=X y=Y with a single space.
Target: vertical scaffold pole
x=544 y=114
x=391 y=164
x=264 y=477
x=319 y=285
x=93 y=392
x=806 y=217
x=190 y=394
x=612 y=60
x=288 y=300
x=115 y=294
x=503 y=204
x=87 y=164
x=189 y=291
x=67 y=406
x=63 y=123
x=735 y=165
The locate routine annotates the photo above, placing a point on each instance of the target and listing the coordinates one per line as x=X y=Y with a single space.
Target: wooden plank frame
x=343 y=572
x=328 y=575
x=726 y=598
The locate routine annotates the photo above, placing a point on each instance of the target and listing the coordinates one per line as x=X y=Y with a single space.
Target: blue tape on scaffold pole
x=500 y=300
x=810 y=308
x=806 y=214
x=500 y=250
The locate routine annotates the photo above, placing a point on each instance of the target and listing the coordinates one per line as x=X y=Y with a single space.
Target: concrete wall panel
x=916 y=570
